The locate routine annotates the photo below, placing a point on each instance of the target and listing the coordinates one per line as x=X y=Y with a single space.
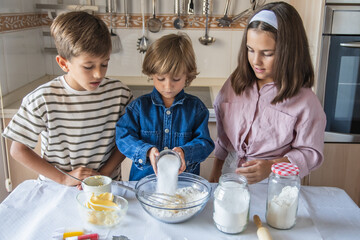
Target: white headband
x=266 y=16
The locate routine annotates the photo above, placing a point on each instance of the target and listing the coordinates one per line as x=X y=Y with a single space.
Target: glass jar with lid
x=231 y=203
x=283 y=195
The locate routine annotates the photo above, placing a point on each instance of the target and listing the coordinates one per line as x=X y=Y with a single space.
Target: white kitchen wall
x=215 y=61
x=21 y=57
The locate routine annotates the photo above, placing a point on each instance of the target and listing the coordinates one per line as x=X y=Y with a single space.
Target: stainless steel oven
x=338 y=85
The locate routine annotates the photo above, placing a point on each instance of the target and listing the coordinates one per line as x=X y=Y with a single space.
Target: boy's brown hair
x=171 y=54
x=292 y=64
x=80 y=32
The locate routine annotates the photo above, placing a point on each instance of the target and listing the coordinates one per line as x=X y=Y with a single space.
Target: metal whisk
x=157 y=198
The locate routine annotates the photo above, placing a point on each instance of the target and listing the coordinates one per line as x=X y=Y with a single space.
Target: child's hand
x=152 y=154
x=181 y=153
x=258 y=169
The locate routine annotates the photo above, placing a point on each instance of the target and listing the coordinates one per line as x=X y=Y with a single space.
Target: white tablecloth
x=36 y=209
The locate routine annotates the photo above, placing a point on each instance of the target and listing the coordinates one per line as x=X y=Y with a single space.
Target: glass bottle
x=231 y=203
x=283 y=195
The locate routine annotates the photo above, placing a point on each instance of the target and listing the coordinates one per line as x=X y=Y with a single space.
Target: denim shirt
x=148 y=123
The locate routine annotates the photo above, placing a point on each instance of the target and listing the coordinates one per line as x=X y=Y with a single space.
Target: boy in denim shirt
x=166 y=118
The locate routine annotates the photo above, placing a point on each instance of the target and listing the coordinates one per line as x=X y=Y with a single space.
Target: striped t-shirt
x=77 y=127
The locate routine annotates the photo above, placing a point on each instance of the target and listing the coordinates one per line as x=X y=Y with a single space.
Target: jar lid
x=285 y=169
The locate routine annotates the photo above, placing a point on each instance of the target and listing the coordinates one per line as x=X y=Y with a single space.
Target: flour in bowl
x=188 y=194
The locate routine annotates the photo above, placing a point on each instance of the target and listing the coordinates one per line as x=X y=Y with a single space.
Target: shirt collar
x=157 y=100
x=265 y=88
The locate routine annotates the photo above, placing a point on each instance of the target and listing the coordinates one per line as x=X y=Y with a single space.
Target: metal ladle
x=143 y=41
x=178 y=22
x=225 y=21
x=154 y=24
x=206 y=40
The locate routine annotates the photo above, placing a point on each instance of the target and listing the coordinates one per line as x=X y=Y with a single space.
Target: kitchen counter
x=13 y=100
x=36 y=209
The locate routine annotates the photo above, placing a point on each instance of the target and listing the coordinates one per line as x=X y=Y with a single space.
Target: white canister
x=231 y=203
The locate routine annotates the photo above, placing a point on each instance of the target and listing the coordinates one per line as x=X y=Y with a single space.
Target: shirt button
x=168 y=112
x=166 y=148
x=140 y=161
x=167 y=131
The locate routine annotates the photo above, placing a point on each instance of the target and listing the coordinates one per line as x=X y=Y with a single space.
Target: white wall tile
x=127 y=62
x=213 y=60
x=236 y=38
x=15 y=56
x=56 y=68
x=10 y=6
x=3 y=77
x=28 y=5
x=49 y=64
x=35 y=58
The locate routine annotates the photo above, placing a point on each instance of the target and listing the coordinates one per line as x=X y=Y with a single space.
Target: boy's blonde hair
x=80 y=32
x=171 y=54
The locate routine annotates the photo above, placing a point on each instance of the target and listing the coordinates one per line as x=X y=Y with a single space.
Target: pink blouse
x=294 y=128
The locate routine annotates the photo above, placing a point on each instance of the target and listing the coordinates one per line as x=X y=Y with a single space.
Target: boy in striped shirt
x=75 y=114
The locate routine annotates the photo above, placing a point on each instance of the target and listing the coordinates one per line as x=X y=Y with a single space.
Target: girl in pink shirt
x=266 y=111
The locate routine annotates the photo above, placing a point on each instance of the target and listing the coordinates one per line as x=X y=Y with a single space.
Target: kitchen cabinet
x=341 y=168
x=206 y=166
x=311 y=13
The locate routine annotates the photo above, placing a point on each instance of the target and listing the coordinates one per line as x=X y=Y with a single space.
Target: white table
x=36 y=209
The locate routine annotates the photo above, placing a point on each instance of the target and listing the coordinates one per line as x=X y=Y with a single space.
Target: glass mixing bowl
x=101 y=218
x=195 y=190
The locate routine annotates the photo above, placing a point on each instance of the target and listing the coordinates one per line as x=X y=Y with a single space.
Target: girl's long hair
x=292 y=68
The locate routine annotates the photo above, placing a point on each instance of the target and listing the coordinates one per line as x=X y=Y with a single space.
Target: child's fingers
x=153 y=154
x=182 y=167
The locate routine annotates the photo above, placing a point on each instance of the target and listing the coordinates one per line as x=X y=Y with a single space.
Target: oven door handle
x=351 y=44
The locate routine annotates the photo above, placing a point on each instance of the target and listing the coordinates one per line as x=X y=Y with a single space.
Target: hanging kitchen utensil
x=206 y=40
x=115 y=39
x=225 y=21
x=178 y=22
x=154 y=197
x=154 y=24
x=143 y=41
x=127 y=16
x=207 y=4
x=247 y=12
x=191 y=12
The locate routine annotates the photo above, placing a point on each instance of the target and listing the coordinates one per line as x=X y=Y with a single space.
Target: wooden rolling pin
x=262 y=232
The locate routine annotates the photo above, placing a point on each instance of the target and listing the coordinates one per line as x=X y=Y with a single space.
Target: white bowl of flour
x=193 y=189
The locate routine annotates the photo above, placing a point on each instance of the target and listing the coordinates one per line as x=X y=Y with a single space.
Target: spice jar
x=283 y=196
x=231 y=203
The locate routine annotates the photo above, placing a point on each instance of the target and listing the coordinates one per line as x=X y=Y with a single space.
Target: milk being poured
x=167 y=177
